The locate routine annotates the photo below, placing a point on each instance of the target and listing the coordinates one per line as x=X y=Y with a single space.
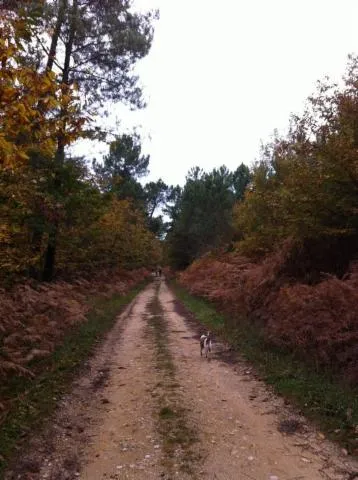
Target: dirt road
x=149 y=407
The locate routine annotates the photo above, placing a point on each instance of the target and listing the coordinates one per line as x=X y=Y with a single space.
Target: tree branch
x=47 y=51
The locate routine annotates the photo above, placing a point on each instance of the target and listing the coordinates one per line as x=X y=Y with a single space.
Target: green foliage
x=31 y=206
x=52 y=209
x=94 y=47
x=173 y=200
x=155 y=196
x=202 y=212
x=119 y=174
x=92 y=44
x=240 y=179
x=94 y=229
x=124 y=162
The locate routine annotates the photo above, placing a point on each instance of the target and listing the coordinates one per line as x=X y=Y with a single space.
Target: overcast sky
x=222 y=75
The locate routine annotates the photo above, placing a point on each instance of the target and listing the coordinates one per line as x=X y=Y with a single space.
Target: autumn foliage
x=54 y=212
x=32 y=106
x=34 y=317
x=305 y=185
x=55 y=218
x=292 y=270
x=318 y=323
x=30 y=101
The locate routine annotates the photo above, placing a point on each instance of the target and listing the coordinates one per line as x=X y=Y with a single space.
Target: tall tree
x=155 y=196
x=122 y=167
x=30 y=102
x=241 y=178
x=124 y=160
x=119 y=172
x=305 y=187
x=173 y=202
x=24 y=127
x=201 y=215
x=94 y=46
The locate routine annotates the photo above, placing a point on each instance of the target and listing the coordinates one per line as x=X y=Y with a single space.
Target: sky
x=222 y=75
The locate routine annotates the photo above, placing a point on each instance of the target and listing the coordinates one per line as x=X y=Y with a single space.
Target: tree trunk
x=35 y=271
x=50 y=255
x=45 y=272
x=56 y=34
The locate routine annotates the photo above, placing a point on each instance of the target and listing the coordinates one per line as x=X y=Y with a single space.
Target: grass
x=204 y=312
x=317 y=393
x=172 y=423
x=33 y=400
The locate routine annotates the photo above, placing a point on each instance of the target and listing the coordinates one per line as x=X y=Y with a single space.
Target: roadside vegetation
x=76 y=235
x=282 y=266
x=318 y=393
x=29 y=400
x=273 y=246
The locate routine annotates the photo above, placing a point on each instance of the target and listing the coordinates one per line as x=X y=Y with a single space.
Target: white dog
x=205 y=344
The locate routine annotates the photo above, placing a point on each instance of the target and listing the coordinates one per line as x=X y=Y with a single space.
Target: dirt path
x=149 y=407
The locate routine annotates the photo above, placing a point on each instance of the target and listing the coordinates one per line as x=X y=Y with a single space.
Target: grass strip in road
x=33 y=400
x=177 y=435
x=318 y=394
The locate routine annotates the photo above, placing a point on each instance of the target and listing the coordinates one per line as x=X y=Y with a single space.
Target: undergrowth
x=33 y=400
x=316 y=392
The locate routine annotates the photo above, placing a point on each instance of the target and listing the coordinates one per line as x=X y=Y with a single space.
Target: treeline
x=302 y=190
x=201 y=213
x=61 y=63
x=305 y=186
x=289 y=268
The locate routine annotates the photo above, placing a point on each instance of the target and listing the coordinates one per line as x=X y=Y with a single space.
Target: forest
x=70 y=228
x=275 y=242
x=290 y=267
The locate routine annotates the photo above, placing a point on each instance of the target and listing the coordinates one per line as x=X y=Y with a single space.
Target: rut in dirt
x=149 y=407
